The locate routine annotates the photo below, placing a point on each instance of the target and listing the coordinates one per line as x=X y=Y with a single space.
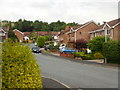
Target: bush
x=83 y=55
x=95 y=45
x=19 y=67
x=111 y=50
x=41 y=41
x=98 y=55
x=52 y=47
x=25 y=42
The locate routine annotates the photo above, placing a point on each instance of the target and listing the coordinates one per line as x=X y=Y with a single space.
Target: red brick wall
x=116 y=33
x=85 y=31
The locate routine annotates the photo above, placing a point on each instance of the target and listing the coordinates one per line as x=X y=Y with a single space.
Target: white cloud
x=65 y=10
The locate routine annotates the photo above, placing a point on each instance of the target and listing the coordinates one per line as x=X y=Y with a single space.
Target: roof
x=54 y=33
x=26 y=32
x=18 y=31
x=42 y=32
x=110 y=24
x=3 y=30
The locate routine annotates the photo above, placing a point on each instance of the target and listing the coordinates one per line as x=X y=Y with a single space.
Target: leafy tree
x=28 y=26
x=33 y=35
x=111 y=50
x=12 y=35
x=48 y=37
x=81 y=43
x=41 y=41
x=95 y=45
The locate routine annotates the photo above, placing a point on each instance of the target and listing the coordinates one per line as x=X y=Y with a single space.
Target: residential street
x=77 y=75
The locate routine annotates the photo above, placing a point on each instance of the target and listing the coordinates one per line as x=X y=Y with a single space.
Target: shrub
x=111 y=50
x=83 y=55
x=25 y=42
x=52 y=47
x=19 y=67
x=41 y=41
x=98 y=55
x=95 y=45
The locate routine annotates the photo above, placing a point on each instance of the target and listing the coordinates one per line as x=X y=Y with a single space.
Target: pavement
x=49 y=83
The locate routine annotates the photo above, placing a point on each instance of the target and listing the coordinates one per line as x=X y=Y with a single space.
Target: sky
x=79 y=11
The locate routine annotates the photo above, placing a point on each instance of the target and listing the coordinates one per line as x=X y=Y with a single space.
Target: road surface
x=77 y=75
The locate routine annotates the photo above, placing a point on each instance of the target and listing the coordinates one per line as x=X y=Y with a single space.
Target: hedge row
x=19 y=67
x=111 y=50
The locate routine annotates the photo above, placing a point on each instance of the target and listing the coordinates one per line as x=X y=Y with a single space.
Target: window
x=100 y=33
x=108 y=31
x=80 y=32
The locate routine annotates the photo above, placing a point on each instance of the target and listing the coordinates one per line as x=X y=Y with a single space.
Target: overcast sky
x=79 y=11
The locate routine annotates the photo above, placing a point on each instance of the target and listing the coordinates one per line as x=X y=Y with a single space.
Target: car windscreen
x=35 y=48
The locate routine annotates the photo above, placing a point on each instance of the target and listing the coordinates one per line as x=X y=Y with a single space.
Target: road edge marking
x=58 y=82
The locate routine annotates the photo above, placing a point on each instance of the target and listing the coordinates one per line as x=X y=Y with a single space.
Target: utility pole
x=105 y=61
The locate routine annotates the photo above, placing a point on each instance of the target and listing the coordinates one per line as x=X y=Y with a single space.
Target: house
x=111 y=29
x=26 y=35
x=3 y=35
x=63 y=37
x=70 y=35
x=19 y=35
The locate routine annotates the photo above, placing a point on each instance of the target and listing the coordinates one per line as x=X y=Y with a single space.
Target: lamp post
x=105 y=61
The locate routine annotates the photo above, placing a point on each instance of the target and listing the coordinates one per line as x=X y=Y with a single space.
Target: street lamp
x=105 y=61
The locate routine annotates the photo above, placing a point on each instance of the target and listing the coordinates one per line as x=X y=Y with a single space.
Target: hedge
x=111 y=50
x=19 y=67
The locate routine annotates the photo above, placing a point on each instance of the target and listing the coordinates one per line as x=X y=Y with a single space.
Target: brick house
x=63 y=37
x=4 y=33
x=70 y=35
x=19 y=35
x=111 y=29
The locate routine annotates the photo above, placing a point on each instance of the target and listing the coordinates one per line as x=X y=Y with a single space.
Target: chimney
x=104 y=22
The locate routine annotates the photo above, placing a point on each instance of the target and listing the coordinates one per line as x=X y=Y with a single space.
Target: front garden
x=100 y=50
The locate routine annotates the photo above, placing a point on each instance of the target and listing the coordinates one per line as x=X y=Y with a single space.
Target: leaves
x=19 y=67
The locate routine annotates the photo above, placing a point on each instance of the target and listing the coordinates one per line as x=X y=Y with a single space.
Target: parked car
x=36 y=50
x=68 y=50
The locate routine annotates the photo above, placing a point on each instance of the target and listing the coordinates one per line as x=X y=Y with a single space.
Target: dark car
x=36 y=50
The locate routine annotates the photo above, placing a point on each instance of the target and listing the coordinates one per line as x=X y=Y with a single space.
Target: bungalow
x=111 y=29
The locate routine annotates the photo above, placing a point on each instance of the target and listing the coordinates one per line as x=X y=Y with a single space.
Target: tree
x=95 y=45
x=111 y=50
x=41 y=41
x=33 y=35
x=81 y=43
x=12 y=35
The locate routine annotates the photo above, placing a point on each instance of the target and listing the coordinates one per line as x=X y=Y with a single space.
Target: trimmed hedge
x=19 y=67
x=111 y=50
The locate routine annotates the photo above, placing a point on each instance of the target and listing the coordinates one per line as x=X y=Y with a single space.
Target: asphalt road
x=77 y=75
